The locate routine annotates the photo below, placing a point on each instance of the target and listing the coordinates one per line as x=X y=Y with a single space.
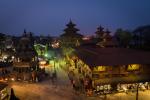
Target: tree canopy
x=123 y=37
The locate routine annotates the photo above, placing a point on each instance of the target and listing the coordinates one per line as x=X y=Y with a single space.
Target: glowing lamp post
x=42 y=64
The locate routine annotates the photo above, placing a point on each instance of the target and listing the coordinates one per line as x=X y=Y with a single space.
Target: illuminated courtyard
x=61 y=89
x=47 y=91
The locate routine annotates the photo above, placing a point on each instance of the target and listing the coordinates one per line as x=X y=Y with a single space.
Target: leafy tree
x=143 y=34
x=146 y=36
x=123 y=37
x=2 y=38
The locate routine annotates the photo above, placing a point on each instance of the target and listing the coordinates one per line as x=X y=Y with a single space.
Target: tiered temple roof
x=25 y=49
x=71 y=31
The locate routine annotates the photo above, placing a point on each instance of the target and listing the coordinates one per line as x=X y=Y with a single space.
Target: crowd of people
x=80 y=84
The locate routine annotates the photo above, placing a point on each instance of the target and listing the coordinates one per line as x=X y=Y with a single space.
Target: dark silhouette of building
x=26 y=58
x=25 y=49
x=99 y=33
x=107 y=40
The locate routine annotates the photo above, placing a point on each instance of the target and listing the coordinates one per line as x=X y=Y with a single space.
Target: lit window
x=133 y=67
x=100 y=68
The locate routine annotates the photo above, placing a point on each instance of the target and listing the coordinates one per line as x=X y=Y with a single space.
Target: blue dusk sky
x=50 y=16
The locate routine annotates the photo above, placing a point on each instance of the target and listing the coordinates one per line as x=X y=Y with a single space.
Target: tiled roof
x=96 y=56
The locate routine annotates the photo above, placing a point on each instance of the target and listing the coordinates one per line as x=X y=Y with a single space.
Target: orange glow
x=42 y=62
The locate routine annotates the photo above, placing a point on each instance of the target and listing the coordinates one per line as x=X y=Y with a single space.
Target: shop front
x=121 y=84
x=132 y=87
x=103 y=89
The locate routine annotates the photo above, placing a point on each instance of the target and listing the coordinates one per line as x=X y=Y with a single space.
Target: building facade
x=111 y=69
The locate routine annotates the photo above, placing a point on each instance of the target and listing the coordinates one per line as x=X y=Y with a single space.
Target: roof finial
x=70 y=21
x=25 y=31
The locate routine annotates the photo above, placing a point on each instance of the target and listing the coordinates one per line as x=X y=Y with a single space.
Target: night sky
x=50 y=16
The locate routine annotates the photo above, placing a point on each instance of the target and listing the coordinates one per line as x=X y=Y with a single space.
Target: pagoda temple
x=26 y=59
x=100 y=32
x=106 y=40
x=71 y=37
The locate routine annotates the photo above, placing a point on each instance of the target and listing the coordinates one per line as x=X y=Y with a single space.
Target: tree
x=123 y=37
x=146 y=37
x=143 y=34
x=2 y=39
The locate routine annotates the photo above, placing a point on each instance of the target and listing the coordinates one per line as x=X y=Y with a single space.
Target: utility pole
x=54 y=65
x=137 y=92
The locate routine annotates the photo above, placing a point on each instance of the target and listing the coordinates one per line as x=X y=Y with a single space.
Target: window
x=133 y=67
x=100 y=68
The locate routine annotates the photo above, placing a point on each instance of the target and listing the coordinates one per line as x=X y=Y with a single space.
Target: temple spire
x=71 y=28
x=25 y=31
x=71 y=37
x=71 y=24
x=100 y=32
x=70 y=20
x=107 y=31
